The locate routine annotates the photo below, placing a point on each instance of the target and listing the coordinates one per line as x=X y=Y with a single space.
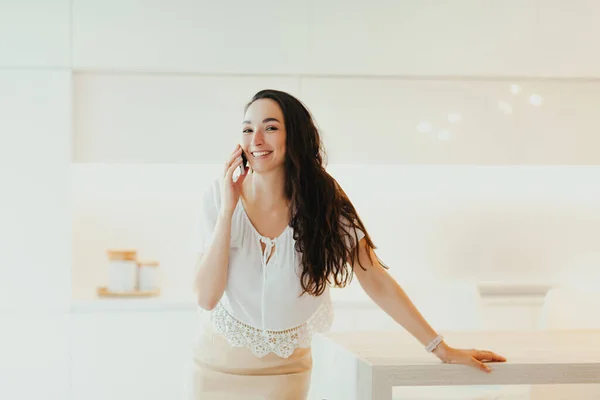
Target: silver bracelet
x=434 y=343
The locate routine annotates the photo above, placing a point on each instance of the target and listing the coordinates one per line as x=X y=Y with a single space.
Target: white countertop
x=380 y=360
x=84 y=302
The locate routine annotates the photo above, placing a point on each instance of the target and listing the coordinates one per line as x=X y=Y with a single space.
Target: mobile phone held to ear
x=244 y=162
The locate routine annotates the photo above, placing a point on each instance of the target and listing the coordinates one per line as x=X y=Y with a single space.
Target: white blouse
x=261 y=308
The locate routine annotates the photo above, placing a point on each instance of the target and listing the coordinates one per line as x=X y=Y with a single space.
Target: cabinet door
x=34 y=356
x=131 y=355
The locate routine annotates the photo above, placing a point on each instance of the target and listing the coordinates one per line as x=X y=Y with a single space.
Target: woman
x=271 y=243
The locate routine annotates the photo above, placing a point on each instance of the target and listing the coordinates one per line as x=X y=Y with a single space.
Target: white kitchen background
x=465 y=132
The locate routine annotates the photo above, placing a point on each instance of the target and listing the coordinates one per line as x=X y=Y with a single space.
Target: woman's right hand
x=230 y=190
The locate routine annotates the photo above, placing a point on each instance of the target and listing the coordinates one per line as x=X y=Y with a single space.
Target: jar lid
x=148 y=263
x=123 y=255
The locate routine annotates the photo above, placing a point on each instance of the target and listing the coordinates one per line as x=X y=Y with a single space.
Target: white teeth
x=260 y=153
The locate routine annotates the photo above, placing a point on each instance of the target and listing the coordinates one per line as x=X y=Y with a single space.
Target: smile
x=260 y=154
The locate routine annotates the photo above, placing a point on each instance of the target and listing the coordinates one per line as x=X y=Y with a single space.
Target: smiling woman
x=273 y=242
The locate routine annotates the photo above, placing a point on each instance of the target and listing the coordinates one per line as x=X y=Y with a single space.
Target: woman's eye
x=271 y=128
x=247 y=130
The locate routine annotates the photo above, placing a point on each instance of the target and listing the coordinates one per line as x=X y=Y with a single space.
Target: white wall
x=160 y=86
x=486 y=223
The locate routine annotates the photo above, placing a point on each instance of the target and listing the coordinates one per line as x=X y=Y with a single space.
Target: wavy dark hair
x=323 y=219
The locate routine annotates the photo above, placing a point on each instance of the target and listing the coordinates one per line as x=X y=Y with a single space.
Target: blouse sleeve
x=207 y=218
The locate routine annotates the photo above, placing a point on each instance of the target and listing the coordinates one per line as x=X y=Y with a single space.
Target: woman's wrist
x=441 y=351
x=225 y=214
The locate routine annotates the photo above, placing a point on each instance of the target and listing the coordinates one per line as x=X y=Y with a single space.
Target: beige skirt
x=221 y=371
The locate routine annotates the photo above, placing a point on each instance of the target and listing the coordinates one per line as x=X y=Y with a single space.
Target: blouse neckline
x=265 y=239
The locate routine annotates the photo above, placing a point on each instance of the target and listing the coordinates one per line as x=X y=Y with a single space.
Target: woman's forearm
x=211 y=274
x=392 y=299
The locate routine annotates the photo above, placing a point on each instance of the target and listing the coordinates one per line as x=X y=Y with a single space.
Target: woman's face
x=263 y=136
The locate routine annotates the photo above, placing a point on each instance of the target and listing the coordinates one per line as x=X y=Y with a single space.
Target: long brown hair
x=323 y=219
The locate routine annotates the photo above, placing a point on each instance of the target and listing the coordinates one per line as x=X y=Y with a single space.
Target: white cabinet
x=131 y=355
x=35 y=220
x=35 y=33
x=34 y=356
x=192 y=36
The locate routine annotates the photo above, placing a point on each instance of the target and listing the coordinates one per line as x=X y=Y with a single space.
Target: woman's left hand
x=474 y=358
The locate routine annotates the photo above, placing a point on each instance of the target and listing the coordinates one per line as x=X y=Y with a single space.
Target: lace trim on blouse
x=262 y=342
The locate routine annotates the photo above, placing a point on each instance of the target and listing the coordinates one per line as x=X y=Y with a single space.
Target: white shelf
x=83 y=303
x=514 y=289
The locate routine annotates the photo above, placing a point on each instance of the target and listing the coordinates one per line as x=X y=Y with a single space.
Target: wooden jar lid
x=122 y=255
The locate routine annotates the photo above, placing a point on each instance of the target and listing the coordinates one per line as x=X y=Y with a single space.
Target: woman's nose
x=257 y=138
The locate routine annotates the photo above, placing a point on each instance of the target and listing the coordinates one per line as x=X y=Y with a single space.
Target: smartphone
x=244 y=162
